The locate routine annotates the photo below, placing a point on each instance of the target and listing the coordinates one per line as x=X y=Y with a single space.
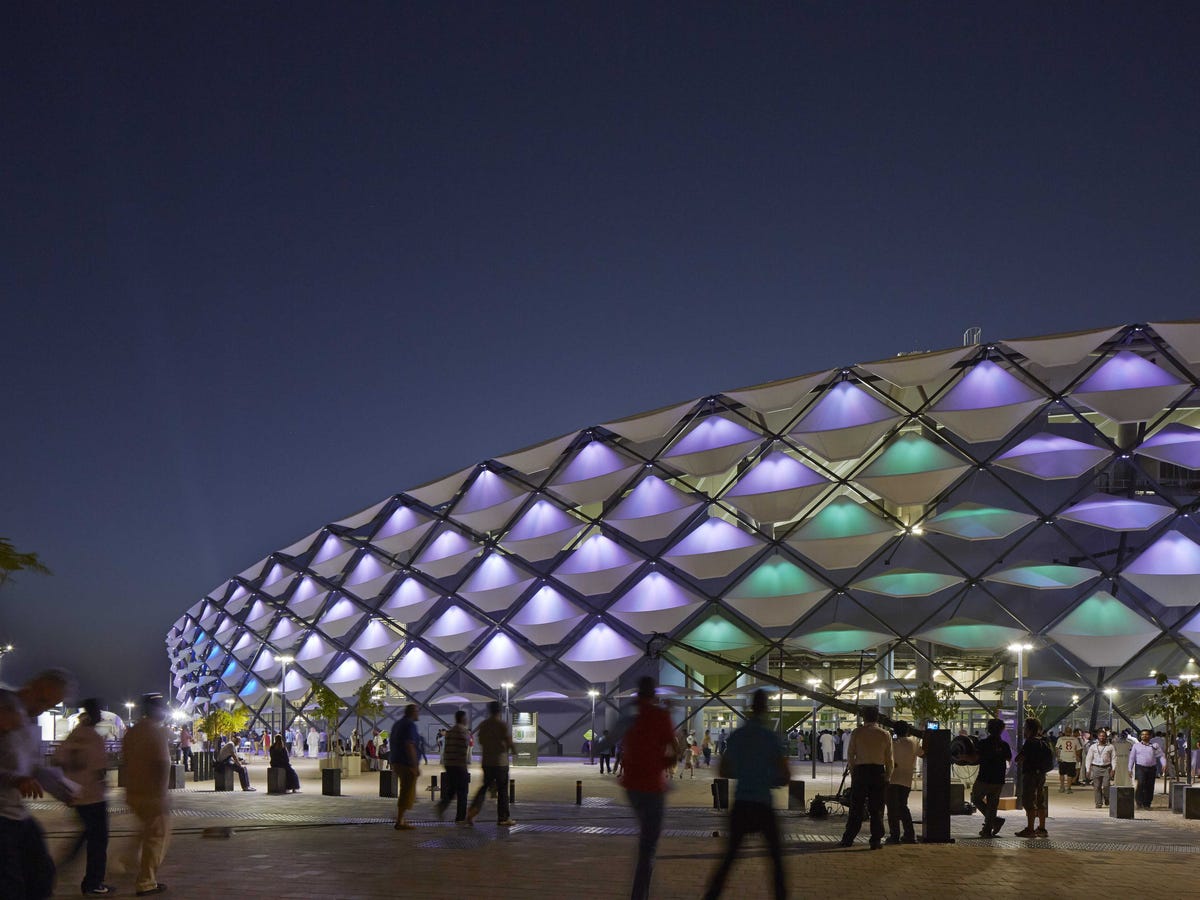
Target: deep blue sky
x=265 y=264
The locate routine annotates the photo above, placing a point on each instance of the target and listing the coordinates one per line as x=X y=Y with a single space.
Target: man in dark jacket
x=495 y=743
x=456 y=756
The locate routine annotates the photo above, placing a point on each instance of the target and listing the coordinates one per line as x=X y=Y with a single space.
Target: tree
x=13 y=561
x=367 y=705
x=930 y=704
x=217 y=722
x=328 y=704
x=1178 y=705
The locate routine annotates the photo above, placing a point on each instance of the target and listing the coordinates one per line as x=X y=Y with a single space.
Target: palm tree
x=12 y=561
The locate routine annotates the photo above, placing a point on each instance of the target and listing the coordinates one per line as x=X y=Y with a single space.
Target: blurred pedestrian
x=85 y=761
x=648 y=752
x=495 y=743
x=147 y=767
x=406 y=763
x=757 y=759
x=456 y=758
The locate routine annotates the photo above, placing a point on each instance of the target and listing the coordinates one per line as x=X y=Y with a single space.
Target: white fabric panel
x=1133 y=404
x=362 y=518
x=541 y=532
x=539 y=457
x=712 y=462
x=908 y=489
x=265 y=665
x=655 y=603
x=652 y=425
x=409 y=601
x=501 y=660
x=1168 y=570
x=247 y=645
x=597 y=566
x=301 y=546
x=601 y=655
x=1184 y=338
x=1061 y=349
x=1105 y=651
x=997 y=523
x=836 y=444
x=990 y=424
x=377 y=642
x=347 y=678
x=435 y=493
x=453 y=630
x=369 y=590
x=1176 y=443
x=1067 y=459
x=918 y=368
x=495 y=584
x=547 y=617
x=594 y=490
x=446 y=554
x=1113 y=513
x=340 y=618
x=295 y=685
x=489 y=502
x=333 y=567
x=778 y=395
x=254 y=571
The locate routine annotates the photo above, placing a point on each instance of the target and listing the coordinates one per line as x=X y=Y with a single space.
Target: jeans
x=748 y=817
x=986 y=798
x=605 y=760
x=185 y=754
x=1101 y=779
x=898 y=814
x=866 y=790
x=648 y=807
x=457 y=780
x=497 y=776
x=26 y=869
x=243 y=775
x=1145 y=776
x=94 y=817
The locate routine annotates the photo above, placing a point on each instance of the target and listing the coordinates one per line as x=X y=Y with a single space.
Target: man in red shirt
x=649 y=751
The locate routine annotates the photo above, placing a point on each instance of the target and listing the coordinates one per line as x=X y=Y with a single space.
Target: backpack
x=1039 y=755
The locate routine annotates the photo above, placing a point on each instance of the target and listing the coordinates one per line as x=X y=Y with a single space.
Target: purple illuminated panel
x=987 y=385
x=711 y=434
x=539 y=520
x=1116 y=513
x=1124 y=371
x=713 y=536
x=651 y=497
x=594 y=460
x=776 y=472
x=1176 y=444
x=596 y=554
x=1051 y=456
x=844 y=406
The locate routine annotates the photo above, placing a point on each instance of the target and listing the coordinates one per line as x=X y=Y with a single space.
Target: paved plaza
x=308 y=845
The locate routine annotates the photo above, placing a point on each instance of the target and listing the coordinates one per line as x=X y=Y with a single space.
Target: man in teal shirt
x=755 y=757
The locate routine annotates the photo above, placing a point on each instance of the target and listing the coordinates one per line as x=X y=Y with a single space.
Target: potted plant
x=328 y=704
x=366 y=705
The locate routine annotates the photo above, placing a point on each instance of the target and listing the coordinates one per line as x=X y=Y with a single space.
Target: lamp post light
x=1020 y=649
x=1111 y=693
x=507 y=687
x=813 y=682
x=7 y=648
x=593 y=693
x=128 y=713
x=283 y=661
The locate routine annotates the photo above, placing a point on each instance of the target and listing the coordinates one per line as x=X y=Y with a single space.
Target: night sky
x=265 y=264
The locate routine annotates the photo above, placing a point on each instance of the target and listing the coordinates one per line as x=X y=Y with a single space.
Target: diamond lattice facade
x=863 y=526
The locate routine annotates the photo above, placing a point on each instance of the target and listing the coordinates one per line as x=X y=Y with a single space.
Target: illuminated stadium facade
x=867 y=527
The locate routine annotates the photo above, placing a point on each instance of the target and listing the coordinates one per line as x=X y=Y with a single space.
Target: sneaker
x=100 y=890
x=985 y=832
x=251 y=790
x=1027 y=832
x=997 y=824
x=157 y=889
x=1041 y=832
x=507 y=823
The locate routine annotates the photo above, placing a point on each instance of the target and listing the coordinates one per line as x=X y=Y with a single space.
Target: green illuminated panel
x=907 y=583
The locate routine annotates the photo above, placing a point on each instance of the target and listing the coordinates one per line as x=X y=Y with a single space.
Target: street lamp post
x=283 y=660
x=128 y=713
x=507 y=687
x=1020 y=649
x=7 y=648
x=1111 y=693
x=813 y=682
x=592 y=740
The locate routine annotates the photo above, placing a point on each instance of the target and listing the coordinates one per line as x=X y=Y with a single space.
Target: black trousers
x=745 y=818
x=26 y=869
x=898 y=813
x=458 y=781
x=1146 y=776
x=605 y=760
x=866 y=794
x=94 y=818
x=243 y=775
x=497 y=776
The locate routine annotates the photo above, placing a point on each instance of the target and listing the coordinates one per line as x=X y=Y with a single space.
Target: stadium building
x=860 y=529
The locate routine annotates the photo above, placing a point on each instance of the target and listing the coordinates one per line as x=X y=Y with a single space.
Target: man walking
x=456 y=757
x=604 y=746
x=84 y=761
x=993 y=759
x=1101 y=758
x=869 y=758
x=757 y=759
x=905 y=750
x=495 y=743
x=648 y=752
x=1067 y=748
x=1144 y=760
x=406 y=764
x=147 y=767
x=26 y=869
x=185 y=749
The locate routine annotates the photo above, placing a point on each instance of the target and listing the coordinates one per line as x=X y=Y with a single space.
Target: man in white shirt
x=869 y=758
x=1101 y=757
x=1068 y=751
x=905 y=750
x=827 y=746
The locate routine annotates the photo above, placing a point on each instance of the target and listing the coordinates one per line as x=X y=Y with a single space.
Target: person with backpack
x=1035 y=759
x=993 y=757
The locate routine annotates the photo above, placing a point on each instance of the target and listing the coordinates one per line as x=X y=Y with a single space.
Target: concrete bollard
x=1176 y=796
x=512 y=791
x=433 y=788
x=1120 y=802
x=579 y=793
